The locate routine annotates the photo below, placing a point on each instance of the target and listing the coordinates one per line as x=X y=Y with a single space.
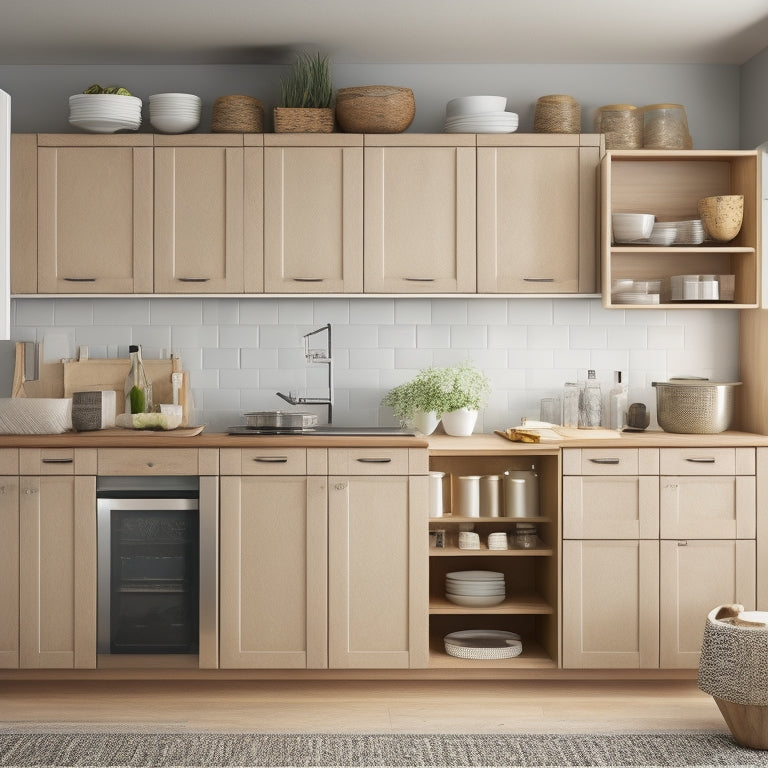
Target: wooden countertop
x=438 y=444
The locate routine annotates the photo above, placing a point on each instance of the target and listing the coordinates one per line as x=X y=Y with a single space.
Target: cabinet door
x=23 y=205
x=697 y=576
x=533 y=220
x=378 y=572
x=419 y=219
x=621 y=507
x=199 y=236
x=94 y=219
x=57 y=530
x=9 y=572
x=273 y=572
x=313 y=219
x=611 y=604
x=715 y=507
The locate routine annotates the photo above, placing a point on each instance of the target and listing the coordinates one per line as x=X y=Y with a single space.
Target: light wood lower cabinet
x=9 y=571
x=697 y=576
x=377 y=583
x=57 y=577
x=274 y=565
x=611 y=603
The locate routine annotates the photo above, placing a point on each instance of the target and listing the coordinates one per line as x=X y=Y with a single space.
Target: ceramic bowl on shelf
x=174 y=112
x=630 y=227
x=474 y=105
x=722 y=216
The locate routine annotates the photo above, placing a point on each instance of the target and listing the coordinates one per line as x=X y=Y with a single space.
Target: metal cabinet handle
x=682 y=543
x=80 y=279
x=58 y=461
x=375 y=460
x=193 y=279
x=272 y=459
x=420 y=279
x=538 y=279
x=308 y=279
x=605 y=461
x=30 y=490
x=702 y=460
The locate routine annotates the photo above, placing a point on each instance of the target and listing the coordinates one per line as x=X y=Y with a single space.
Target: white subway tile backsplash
x=241 y=351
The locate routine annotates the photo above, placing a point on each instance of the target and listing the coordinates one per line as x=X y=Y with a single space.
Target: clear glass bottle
x=571 y=404
x=590 y=403
x=617 y=417
x=138 y=387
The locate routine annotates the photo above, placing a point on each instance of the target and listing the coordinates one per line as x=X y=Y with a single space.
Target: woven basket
x=237 y=113
x=303 y=120
x=557 y=113
x=375 y=109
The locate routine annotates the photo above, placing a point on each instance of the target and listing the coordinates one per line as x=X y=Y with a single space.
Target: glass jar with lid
x=665 y=126
x=622 y=125
x=526 y=535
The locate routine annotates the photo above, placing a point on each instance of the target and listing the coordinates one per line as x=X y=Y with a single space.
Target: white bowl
x=475 y=602
x=473 y=105
x=628 y=227
x=170 y=124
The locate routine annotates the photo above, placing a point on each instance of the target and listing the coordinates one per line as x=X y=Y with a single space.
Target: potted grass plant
x=453 y=394
x=305 y=97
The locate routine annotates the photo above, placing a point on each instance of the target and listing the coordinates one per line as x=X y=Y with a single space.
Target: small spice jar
x=526 y=535
x=622 y=125
x=665 y=126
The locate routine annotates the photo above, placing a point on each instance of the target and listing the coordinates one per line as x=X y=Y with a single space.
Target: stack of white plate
x=689 y=232
x=104 y=112
x=475 y=588
x=174 y=112
x=483 y=644
x=479 y=114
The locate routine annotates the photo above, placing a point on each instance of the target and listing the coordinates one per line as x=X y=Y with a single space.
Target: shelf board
x=493 y=520
x=676 y=250
x=684 y=305
x=485 y=552
x=529 y=604
x=533 y=656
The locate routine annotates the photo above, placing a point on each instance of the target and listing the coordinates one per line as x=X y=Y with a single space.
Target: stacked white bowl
x=479 y=114
x=631 y=227
x=174 y=112
x=104 y=112
x=475 y=588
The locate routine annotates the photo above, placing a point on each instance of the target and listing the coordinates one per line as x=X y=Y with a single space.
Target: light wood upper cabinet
x=94 y=214
x=420 y=234
x=313 y=213
x=274 y=533
x=57 y=531
x=536 y=214
x=204 y=214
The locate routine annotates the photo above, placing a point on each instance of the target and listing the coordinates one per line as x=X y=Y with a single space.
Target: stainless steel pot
x=694 y=406
x=280 y=419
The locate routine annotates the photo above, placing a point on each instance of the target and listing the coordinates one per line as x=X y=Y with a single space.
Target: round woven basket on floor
x=303 y=119
x=375 y=109
x=557 y=113
x=237 y=113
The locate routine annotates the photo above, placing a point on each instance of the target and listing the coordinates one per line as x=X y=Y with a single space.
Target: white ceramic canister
x=467 y=502
x=436 y=494
x=521 y=493
x=490 y=496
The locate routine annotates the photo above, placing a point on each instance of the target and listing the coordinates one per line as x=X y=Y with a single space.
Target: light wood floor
x=368 y=707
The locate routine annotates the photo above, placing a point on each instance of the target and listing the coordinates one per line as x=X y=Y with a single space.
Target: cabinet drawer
x=368 y=461
x=57 y=461
x=148 y=461
x=9 y=461
x=610 y=461
x=263 y=461
x=707 y=461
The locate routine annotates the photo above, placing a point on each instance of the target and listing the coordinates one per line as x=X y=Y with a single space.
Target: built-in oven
x=156 y=562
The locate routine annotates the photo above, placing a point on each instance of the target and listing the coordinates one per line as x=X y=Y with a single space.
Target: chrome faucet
x=323 y=357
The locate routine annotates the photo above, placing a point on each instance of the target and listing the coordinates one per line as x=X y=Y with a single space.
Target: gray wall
x=710 y=93
x=754 y=101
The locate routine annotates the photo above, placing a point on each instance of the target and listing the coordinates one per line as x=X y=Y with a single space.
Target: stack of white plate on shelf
x=477 y=589
x=498 y=540
x=104 y=112
x=689 y=232
x=483 y=644
x=174 y=112
x=479 y=114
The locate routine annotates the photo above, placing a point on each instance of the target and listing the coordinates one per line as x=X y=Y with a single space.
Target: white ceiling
x=381 y=31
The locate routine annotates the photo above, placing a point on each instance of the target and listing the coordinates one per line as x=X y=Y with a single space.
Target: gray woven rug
x=225 y=750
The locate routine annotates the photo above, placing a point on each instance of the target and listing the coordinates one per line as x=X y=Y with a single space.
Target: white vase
x=426 y=423
x=459 y=423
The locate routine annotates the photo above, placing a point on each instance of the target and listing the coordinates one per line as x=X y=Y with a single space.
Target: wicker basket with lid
x=557 y=113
